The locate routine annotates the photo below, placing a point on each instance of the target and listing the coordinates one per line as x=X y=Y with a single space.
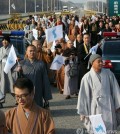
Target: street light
x=42 y=5
x=25 y=6
x=9 y=6
x=35 y=6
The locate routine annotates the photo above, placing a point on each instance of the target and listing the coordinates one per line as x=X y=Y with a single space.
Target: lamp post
x=42 y=5
x=9 y=6
x=51 y=5
x=25 y=6
x=47 y=5
x=35 y=6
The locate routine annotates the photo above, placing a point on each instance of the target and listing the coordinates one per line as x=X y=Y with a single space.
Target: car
x=17 y=39
x=111 y=53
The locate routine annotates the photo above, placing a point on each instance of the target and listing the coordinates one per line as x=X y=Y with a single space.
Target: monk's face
x=97 y=64
x=5 y=43
x=69 y=44
x=31 y=52
x=37 y=44
x=23 y=97
x=86 y=39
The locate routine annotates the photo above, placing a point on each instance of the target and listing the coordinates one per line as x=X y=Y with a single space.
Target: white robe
x=97 y=97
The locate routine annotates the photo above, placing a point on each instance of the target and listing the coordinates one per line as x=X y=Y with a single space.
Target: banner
x=13 y=6
x=57 y=62
x=93 y=50
x=54 y=33
x=98 y=124
x=11 y=60
x=35 y=34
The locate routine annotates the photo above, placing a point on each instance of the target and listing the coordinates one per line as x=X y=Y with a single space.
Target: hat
x=6 y=38
x=93 y=57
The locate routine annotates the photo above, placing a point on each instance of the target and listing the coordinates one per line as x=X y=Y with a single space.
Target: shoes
x=67 y=97
x=1 y=105
x=76 y=95
x=2 y=100
x=61 y=92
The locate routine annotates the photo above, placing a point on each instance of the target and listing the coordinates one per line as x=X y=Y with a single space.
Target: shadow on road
x=63 y=112
x=65 y=131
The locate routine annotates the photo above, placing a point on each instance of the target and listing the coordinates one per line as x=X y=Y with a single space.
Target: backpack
x=73 y=71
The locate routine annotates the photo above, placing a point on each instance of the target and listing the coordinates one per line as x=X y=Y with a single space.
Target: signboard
x=114 y=7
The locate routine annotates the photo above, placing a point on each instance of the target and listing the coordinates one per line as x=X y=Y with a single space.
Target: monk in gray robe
x=36 y=71
x=6 y=80
x=27 y=117
x=99 y=94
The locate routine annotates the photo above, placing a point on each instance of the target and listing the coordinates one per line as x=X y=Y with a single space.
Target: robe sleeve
x=9 y=115
x=47 y=95
x=84 y=97
x=49 y=127
x=115 y=91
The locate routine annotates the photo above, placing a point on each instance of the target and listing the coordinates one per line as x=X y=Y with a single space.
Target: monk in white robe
x=27 y=117
x=99 y=94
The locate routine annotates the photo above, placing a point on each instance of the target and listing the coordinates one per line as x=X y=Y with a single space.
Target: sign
x=115 y=6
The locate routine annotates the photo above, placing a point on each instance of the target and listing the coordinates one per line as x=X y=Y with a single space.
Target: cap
x=93 y=57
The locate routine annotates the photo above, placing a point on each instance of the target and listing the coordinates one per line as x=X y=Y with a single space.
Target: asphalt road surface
x=63 y=111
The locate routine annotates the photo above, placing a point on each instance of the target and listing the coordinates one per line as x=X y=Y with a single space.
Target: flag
x=53 y=46
x=84 y=31
x=11 y=60
x=57 y=62
x=98 y=124
x=93 y=50
x=35 y=34
x=66 y=37
x=74 y=43
x=54 y=33
x=13 y=6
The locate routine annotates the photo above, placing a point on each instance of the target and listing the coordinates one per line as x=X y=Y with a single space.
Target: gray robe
x=99 y=97
x=70 y=84
x=36 y=71
x=6 y=80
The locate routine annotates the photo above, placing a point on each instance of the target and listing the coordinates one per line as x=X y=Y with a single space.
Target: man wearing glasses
x=28 y=117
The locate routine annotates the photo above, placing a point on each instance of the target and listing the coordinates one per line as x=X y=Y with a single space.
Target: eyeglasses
x=22 y=96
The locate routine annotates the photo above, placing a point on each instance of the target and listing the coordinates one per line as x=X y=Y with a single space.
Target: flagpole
x=9 y=6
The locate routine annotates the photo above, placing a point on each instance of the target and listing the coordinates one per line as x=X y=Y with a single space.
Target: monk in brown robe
x=60 y=74
x=27 y=117
x=3 y=129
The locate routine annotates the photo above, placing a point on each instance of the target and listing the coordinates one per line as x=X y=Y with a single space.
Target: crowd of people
x=29 y=81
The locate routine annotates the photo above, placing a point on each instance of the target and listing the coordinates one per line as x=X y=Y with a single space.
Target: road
x=63 y=111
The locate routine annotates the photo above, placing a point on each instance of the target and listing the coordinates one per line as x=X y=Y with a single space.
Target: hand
x=19 y=68
x=82 y=117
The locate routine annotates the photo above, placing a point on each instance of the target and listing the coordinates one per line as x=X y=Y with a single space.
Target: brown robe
x=60 y=74
x=38 y=122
